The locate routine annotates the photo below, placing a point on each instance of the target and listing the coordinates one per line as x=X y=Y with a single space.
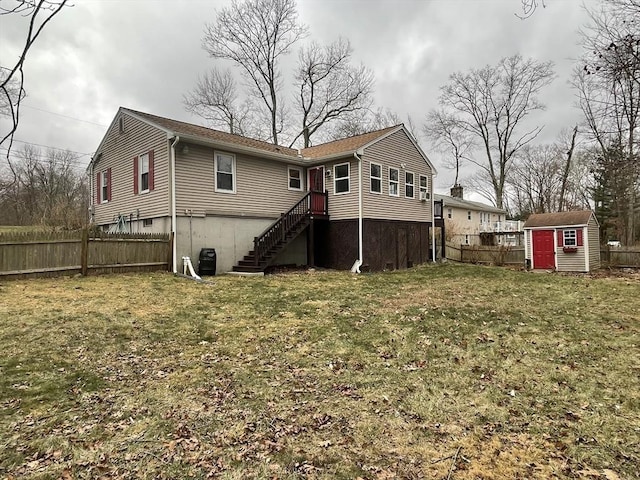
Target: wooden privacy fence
x=43 y=254
x=500 y=255
x=620 y=256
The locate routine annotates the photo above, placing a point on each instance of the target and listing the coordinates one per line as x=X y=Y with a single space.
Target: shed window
x=341 y=178
x=570 y=238
x=449 y=212
x=468 y=215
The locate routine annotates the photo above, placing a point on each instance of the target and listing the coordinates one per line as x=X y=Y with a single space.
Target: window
x=466 y=239
x=394 y=175
x=375 y=173
x=295 y=178
x=468 y=215
x=424 y=189
x=143 y=173
x=449 y=212
x=147 y=222
x=103 y=186
x=225 y=168
x=570 y=238
x=341 y=178
x=121 y=124
x=408 y=184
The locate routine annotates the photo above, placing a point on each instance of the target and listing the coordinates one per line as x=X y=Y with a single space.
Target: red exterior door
x=543 y=249
x=316 y=184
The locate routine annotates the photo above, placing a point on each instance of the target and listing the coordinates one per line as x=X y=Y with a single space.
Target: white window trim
x=397 y=182
x=413 y=185
x=301 y=178
x=104 y=184
x=574 y=239
x=215 y=172
x=371 y=177
x=335 y=178
x=426 y=182
x=140 y=172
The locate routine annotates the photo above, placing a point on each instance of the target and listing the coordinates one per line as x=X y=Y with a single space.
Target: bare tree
x=490 y=106
x=329 y=87
x=567 y=168
x=608 y=85
x=448 y=137
x=529 y=7
x=44 y=189
x=254 y=35
x=216 y=99
x=369 y=120
x=12 y=89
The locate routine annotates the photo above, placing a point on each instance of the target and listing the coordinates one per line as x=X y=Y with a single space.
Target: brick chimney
x=456 y=191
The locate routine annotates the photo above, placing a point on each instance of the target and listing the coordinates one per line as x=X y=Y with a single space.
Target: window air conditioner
x=424 y=196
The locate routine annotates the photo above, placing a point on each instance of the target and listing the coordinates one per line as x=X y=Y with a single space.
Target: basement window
x=147 y=222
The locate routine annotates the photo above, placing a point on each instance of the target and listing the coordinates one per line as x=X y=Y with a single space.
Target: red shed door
x=543 y=249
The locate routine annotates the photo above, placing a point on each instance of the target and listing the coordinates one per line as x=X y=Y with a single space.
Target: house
x=474 y=223
x=563 y=241
x=363 y=201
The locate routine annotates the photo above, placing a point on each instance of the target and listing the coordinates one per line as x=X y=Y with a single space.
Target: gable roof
x=455 y=202
x=318 y=153
x=204 y=133
x=347 y=145
x=559 y=219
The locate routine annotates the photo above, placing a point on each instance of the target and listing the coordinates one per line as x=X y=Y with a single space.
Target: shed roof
x=558 y=219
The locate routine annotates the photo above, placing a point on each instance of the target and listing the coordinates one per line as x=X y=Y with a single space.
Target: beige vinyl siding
x=571 y=262
x=392 y=151
x=118 y=151
x=261 y=186
x=528 y=244
x=344 y=205
x=593 y=237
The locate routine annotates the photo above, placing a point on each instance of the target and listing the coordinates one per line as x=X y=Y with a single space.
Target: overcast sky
x=145 y=54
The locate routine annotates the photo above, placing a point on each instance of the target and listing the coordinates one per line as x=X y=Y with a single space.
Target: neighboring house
x=474 y=223
x=366 y=199
x=563 y=241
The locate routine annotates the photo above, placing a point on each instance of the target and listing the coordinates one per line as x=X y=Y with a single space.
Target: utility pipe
x=433 y=221
x=173 y=203
x=358 y=263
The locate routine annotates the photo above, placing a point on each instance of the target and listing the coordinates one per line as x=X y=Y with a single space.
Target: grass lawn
x=448 y=371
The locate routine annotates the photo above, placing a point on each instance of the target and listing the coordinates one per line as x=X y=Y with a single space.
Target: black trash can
x=207 y=262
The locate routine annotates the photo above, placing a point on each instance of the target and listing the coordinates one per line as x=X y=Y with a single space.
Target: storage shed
x=562 y=241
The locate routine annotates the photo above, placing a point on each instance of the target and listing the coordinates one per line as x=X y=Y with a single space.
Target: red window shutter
x=98 y=191
x=560 y=238
x=135 y=175
x=151 y=171
x=579 y=237
x=109 y=184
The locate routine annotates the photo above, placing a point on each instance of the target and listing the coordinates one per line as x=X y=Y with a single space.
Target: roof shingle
x=344 y=145
x=557 y=219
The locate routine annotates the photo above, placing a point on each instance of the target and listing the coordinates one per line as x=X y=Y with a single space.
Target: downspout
x=91 y=193
x=358 y=263
x=433 y=221
x=173 y=203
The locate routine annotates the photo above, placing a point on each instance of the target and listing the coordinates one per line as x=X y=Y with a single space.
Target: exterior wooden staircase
x=282 y=232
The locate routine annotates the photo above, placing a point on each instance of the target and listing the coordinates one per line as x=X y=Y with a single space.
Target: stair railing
x=287 y=223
